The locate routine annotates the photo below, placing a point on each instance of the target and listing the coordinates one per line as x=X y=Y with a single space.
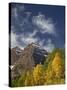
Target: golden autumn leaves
x=53 y=74
x=57 y=65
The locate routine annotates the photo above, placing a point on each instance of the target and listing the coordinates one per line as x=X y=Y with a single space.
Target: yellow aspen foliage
x=29 y=79
x=38 y=74
x=49 y=76
x=57 y=65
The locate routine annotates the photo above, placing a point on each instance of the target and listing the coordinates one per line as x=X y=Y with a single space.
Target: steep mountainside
x=15 y=54
x=30 y=57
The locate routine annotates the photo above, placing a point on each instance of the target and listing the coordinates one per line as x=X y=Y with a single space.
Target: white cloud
x=29 y=37
x=49 y=45
x=14 y=12
x=25 y=39
x=14 y=42
x=45 y=25
x=41 y=42
x=33 y=33
x=29 y=40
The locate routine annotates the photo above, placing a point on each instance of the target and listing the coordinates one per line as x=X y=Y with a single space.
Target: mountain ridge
x=30 y=57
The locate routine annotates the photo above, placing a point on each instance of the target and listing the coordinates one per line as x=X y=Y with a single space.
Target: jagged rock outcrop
x=31 y=56
x=15 y=54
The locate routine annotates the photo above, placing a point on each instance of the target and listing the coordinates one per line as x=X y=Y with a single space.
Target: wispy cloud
x=27 y=26
x=44 y=25
x=29 y=37
x=49 y=45
x=24 y=38
x=40 y=24
x=14 y=42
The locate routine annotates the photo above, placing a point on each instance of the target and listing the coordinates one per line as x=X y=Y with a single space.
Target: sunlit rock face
x=15 y=54
x=32 y=55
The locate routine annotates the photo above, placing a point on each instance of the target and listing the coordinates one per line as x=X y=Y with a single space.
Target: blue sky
x=42 y=24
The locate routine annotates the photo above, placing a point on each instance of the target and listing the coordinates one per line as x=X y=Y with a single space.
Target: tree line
x=50 y=73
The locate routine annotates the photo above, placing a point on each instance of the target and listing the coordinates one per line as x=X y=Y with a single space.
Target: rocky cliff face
x=15 y=54
x=31 y=56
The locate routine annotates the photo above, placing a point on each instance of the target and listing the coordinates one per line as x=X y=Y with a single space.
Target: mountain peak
x=34 y=45
x=30 y=57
